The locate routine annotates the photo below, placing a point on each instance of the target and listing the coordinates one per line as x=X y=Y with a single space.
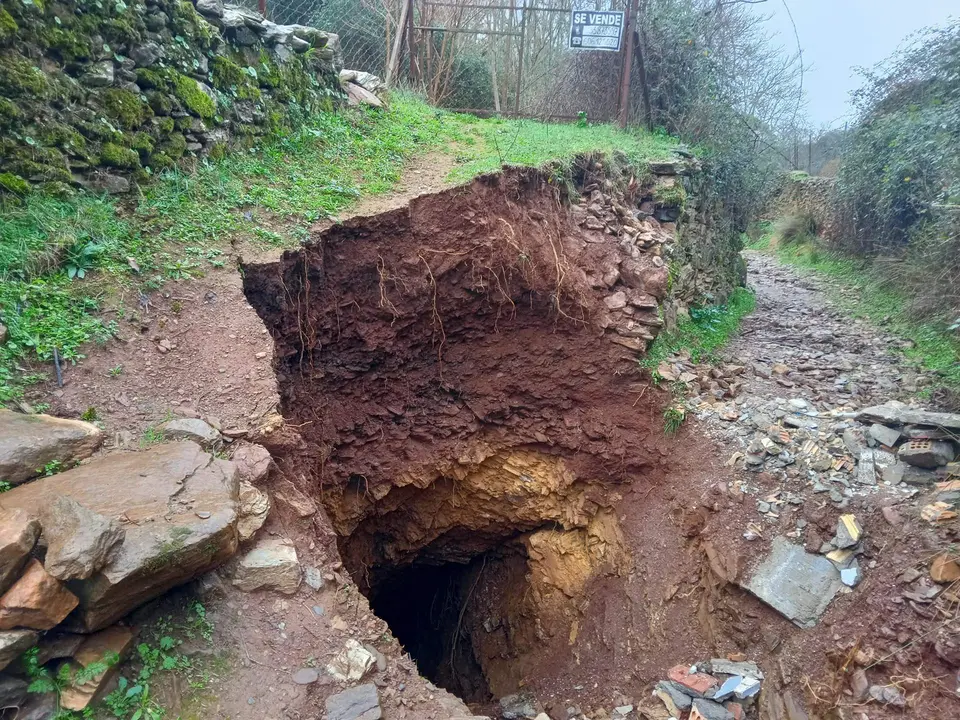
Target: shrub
x=794 y=228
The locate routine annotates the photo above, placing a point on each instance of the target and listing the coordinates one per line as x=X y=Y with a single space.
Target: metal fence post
x=523 y=36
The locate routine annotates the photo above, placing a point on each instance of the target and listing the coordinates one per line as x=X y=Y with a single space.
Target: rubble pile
x=717 y=689
x=82 y=548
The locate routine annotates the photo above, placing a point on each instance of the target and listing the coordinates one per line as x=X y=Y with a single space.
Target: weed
x=152 y=436
x=90 y=415
x=51 y=468
x=176 y=307
x=5 y=486
x=81 y=257
x=794 y=228
x=116 y=371
x=673 y=418
x=41 y=407
x=44 y=681
x=704 y=332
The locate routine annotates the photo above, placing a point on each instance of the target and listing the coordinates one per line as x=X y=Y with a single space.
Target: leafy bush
x=899 y=182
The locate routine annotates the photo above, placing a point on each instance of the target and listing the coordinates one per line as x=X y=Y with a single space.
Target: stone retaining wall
x=99 y=94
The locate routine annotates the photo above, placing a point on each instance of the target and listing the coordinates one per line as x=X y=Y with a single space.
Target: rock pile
x=717 y=689
x=362 y=88
x=80 y=549
x=636 y=275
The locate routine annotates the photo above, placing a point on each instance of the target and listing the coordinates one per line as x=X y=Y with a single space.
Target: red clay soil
x=401 y=338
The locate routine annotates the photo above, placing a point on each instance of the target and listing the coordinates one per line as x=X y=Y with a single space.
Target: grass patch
x=496 y=142
x=706 y=330
x=63 y=261
x=864 y=292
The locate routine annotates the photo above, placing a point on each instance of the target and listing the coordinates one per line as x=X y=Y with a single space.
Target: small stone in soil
x=306 y=676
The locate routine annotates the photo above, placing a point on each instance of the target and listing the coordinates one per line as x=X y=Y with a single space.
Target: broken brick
x=698 y=683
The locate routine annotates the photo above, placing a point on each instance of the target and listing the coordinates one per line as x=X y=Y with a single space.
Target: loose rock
x=352 y=663
x=521 y=706
x=18 y=535
x=272 y=565
x=254 y=506
x=359 y=703
x=796 y=583
x=253 y=462
x=79 y=541
x=29 y=442
x=14 y=643
x=37 y=601
x=191 y=429
x=156 y=494
x=109 y=647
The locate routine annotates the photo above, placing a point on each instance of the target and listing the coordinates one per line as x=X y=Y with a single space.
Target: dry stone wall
x=102 y=93
x=816 y=197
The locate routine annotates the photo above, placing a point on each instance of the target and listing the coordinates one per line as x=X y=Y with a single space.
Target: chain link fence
x=506 y=57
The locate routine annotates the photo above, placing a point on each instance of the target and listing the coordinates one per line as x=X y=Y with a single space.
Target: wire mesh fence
x=507 y=57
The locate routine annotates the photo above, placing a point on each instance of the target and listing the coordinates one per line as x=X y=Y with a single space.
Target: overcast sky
x=839 y=35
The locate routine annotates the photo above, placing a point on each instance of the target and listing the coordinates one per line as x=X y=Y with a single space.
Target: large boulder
x=178 y=505
x=18 y=535
x=29 y=442
x=79 y=541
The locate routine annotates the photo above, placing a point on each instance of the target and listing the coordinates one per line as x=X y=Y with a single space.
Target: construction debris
x=716 y=689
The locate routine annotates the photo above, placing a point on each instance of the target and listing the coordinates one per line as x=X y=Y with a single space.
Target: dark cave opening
x=424 y=605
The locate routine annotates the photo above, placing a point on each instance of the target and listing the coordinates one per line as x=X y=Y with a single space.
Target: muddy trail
x=461 y=393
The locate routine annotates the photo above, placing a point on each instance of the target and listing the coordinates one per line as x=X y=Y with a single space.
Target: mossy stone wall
x=102 y=93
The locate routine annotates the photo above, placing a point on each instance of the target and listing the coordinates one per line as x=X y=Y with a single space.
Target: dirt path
x=781 y=412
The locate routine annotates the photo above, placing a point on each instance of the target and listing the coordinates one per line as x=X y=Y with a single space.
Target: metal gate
x=507 y=57
x=510 y=57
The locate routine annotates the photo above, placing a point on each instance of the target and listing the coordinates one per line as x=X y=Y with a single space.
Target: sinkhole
x=454 y=397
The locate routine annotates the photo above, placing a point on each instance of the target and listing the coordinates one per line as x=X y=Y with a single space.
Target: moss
x=175 y=146
x=13 y=184
x=98 y=130
x=670 y=195
x=119 y=32
x=117 y=156
x=187 y=91
x=226 y=73
x=142 y=143
x=218 y=151
x=21 y=77
x=160 y=102
x=8 y=26
x=62 y=136
x=8 y=112
x=40 y=171
x=69 y=45
x=126 y=107
x=189 y=23
x=147 y=78
x=229 y=77
x=161 y=161
x=165 y=125
x=60 y=190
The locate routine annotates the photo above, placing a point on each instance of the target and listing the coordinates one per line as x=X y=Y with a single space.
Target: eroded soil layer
x=462 y=375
